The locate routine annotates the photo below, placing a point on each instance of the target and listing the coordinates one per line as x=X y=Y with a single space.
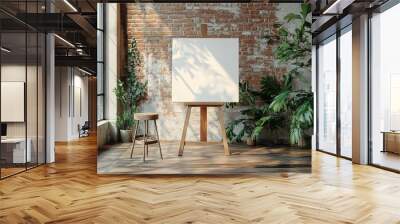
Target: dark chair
x=84 y=130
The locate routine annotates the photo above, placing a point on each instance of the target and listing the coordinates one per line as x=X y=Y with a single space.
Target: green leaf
x=283 y=32
x=305 y=9
x=280 y=102
x=270 y=87
x=292 y=16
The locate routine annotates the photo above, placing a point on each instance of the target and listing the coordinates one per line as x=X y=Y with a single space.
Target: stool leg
x=144 y=141
x=134 y=138
x=158 y=138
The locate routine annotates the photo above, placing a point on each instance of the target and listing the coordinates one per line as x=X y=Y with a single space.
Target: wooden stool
x=147 y=140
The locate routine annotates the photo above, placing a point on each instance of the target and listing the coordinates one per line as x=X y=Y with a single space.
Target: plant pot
x=250 y=141
x=126 y=135
x=305 y=142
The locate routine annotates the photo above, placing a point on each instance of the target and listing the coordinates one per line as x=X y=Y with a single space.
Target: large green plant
x=130 y=91
x=256 y=110
x=295 y=50
x=244 y=126
x=270 y=88
x=283 y=103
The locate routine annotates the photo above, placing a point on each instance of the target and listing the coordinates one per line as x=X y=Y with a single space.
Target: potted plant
x=256 y=109
x=296 y=101
x=124 y=123
x=270 y=88
x=241 y=128
x=284 y=104
x=129 y=92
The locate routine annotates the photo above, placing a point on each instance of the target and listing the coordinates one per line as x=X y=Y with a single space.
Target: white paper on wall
x=205 y=70
x=12 y=101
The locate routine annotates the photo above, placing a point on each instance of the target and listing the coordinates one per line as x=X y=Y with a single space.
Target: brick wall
x=155 y=24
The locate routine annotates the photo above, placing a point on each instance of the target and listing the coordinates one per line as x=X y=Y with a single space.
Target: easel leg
x=227 y=151
x=203 y=124
x=185 y=126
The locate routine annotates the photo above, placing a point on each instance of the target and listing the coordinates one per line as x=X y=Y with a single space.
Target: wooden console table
x=203 y=124
x=391 y=141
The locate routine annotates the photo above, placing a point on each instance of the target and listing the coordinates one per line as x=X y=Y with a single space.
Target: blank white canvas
x=205 y=70
x=12 y=101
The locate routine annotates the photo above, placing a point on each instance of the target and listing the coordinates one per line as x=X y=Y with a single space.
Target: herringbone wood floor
x=70 y=191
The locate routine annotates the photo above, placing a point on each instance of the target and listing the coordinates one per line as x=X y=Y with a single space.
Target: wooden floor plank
x=70 y=191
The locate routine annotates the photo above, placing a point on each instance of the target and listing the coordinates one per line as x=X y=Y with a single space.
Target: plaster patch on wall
x=284 y=9
x=233 y=8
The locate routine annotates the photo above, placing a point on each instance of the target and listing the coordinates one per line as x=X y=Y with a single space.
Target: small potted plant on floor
x=129 y=92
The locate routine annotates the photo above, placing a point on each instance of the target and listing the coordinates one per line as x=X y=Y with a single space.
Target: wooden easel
x=203 y=124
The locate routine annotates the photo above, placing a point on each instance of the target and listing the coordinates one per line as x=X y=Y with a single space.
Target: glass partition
x=14 y=154
x=385 y=89
x=327 y=95
x=22 y=95
x=32 y=97
x=346 y=93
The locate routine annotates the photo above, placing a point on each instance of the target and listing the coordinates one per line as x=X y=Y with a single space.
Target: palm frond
x=280 y=102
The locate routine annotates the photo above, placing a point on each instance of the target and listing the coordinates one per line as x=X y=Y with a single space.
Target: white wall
x=67 y=114
x=61 y=104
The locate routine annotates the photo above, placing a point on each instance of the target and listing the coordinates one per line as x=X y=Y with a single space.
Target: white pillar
x=111 y=60
x=360 y=90
x=50 y=99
